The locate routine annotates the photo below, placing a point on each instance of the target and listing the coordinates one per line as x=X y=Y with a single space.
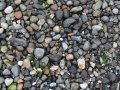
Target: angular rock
x=86 y=45
x=59 y=14
x=15 y=70
x=8 y=81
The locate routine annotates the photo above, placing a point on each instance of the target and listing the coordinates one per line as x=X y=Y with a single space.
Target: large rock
x=15 y=70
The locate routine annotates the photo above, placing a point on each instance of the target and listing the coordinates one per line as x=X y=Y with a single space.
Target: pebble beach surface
x=59 y=44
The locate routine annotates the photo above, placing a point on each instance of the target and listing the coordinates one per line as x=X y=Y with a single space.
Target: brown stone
x=29 y=28
x=69 y=57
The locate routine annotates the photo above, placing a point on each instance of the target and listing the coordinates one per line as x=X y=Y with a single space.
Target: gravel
x=59 y=44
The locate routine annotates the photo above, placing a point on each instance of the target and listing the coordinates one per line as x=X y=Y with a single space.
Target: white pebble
x=115 y=11
x=20 y=63
x=8 y=10
x=114 y=45
x=4 y=25
x=1 y=30
x=83 y=85
x=81 y=63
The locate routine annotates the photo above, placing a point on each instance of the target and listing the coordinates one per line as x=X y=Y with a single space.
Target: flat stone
x=111 y=76
x=23 y=7
x=33 y=19
x=56 y=57
x=57 y=37
x=74 y=86
x=76 y=38
x=105 y=18
x=51 y=22
x=50 y=1
x=6 y=72
x=27 y=64
x=73 y=69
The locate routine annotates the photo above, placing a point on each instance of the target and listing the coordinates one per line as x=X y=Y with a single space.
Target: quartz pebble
x=84 y=85
x=81 y=63
x=54 y=68
x=8 y=9
x=8 y=81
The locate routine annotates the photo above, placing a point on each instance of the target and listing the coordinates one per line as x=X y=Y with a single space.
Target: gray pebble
x=57 y=37
x=76 y=38
x=68 y=22
x=64 y=45
x=51 y=22
x=111 y=76
x=2 y=5
x=39 y=52
x=105 y=18
x=74 y=86
x=86 y=45
x=59 y=14
x=18 y=41
x=6 y=72
x=15 y=70
x=33 y=19
x=1 y=80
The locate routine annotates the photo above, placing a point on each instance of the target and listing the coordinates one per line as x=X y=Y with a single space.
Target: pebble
x=15 y=70
x=84 y=85
x=81 y=63
x=111 y=76
x=2 y=5
x=53 y=84
x=104 y=5
x=69 y=57
x=20 y=63
x=8 y=9
x=50 y=1
x=6 y=72
x=74 y=86
x=17 y=2
x=8 y=81
x=48 y=40
x=27 y=64
x=56 y=37
x=105 y=18
x=64 y=45
x=9 y=57
x=4 y=25
x=84 y=74
x=56 y=29
x=96 y=27
x=69 y=3
x=23 y=7
x=86 y=45
x=115 y=11
x=92 y=64
x=68 y=22
x=45 y=60
x=96 y=13
x=97 y=5
x=1 y=80
x=59 y=14
x=105 y=80
x=51 y=22
x=1 y=30
x=18 y=41
x=54 y=68
x=73 y=69
x=115 y=45
x=4 y=49
x=33 y=19
x=56 y=57
x=76 y=38
x=76 y=9
x=34 y=26
x=18 y=14
x=39 y=52
x=41 y=22
x=62 y=64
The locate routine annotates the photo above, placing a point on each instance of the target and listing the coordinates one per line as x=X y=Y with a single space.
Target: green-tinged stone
x=39 y=70
x=12 y=86
x=105 y=59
